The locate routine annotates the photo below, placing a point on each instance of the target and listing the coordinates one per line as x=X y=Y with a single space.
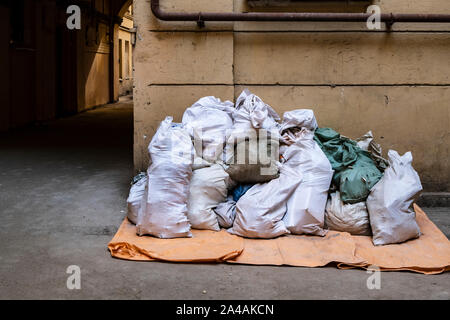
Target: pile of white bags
x=260 y=211
x=163 y=211
x=207 y=121
x=390 y=202
x=135 y=197
x=189 y=185
x=306 y=206
x=351 y=218
x=209 y=187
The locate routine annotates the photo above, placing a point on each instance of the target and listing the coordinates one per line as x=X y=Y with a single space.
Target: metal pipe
x=201 y=17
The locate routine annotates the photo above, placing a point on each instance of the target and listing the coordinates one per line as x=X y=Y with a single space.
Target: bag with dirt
x=299 y=118
x=351 y=218
x=209 y=187
x=208 y=122
x=390 y=202
x=252 y=148
x=135 y=196
x=306 y=206
x=260 y=211
x=252 y=112
x=163 y=211
x=254 y=158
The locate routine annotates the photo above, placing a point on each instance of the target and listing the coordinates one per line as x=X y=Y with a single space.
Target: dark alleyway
x=63 y=189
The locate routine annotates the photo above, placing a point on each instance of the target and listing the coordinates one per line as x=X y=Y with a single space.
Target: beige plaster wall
x=396 y=83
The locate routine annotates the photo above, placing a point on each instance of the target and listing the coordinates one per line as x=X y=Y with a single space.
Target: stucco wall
x=396 y=84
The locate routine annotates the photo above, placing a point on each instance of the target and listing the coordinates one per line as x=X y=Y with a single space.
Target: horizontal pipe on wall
x=293 y=16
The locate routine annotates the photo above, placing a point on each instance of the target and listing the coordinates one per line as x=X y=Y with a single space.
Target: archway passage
x=50 y=71
x=66 y=137
x=65 y=142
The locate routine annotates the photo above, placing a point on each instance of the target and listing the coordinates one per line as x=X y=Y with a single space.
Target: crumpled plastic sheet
x=300 y=118
x=355 y=171
x=429 y=254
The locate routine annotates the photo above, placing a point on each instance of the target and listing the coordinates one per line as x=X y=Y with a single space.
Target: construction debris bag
x=367 y=143
x=292 y=124
x=392 y=217
x=252 y=112
x=135 y=196
x=209 y=187
x=260 y=211
x=355 y=173
x=208 y=121
x=252 y=148
x=289 y=137
x=351 y=218
x=163 y=211
x=226 y=212
x=306 y=206
x=300 y=118
x=254 y=156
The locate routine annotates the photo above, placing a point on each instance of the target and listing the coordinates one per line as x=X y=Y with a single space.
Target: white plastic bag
x=260 y=211
x=252 y=112
x=392 y=217
x=226 y=213
x=207 y=121
x=306 y=207
x=209 y=187
x=300 y=118
x=135 y=197
x=292 y=124
x=163 y=210
x=351 y=218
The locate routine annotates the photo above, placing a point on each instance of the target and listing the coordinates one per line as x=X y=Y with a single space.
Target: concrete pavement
x=63 y=189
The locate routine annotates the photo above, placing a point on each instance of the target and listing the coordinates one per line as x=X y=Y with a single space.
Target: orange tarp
x=429 y=254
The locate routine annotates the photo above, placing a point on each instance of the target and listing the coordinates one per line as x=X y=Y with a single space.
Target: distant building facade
x=126 y=45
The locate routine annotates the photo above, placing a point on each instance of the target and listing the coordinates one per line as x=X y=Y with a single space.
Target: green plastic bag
x=355 y=173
